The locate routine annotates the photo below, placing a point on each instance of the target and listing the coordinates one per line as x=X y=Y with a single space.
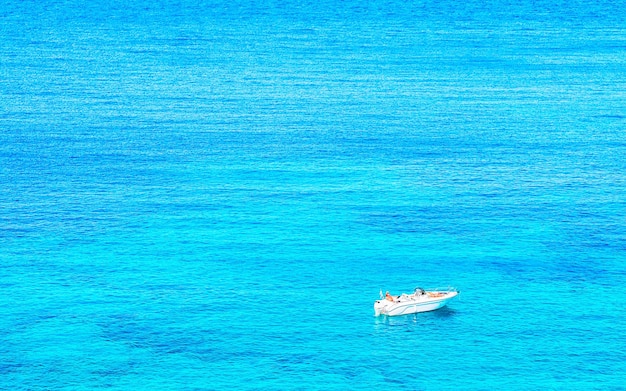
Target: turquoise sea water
x=210 y=195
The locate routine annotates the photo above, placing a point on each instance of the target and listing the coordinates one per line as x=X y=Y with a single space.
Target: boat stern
x=379 y=307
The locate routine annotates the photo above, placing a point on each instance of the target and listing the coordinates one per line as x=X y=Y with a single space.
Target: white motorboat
x=419 y=301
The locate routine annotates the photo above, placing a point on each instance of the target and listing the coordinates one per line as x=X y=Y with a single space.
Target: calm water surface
x=208 y=195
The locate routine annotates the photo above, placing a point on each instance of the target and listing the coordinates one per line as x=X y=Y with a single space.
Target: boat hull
x=412 y=304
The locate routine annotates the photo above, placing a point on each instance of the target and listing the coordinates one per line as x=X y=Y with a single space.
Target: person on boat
x=388 y=296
